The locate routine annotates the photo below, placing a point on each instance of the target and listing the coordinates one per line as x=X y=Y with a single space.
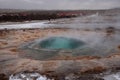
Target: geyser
x=47 y=48
x=60 y=43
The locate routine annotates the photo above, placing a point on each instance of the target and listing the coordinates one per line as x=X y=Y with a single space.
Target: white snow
x=112 y=77
x=24 y=25
x=28 y=76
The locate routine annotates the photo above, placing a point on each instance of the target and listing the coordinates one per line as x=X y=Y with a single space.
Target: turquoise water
x=47 y=48
x=60 y=43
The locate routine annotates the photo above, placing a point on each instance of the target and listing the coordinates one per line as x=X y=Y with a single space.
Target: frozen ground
x=89 y=22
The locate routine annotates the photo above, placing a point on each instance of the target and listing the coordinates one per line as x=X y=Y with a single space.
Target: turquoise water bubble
x=61 y=43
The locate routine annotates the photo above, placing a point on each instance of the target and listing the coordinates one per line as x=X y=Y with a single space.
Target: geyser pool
x=60 y=43
x=59 y=46
x=47 y=48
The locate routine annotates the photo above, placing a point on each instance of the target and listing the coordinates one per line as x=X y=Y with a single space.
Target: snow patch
x=28 y=76
x=24 y=25
x=113 y=77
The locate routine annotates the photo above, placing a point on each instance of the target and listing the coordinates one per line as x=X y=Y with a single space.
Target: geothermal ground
x=99 y=55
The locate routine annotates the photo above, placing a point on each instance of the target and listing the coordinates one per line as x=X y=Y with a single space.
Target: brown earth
x=11 y=63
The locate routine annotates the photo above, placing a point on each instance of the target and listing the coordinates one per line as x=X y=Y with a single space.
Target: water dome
x=60 y=43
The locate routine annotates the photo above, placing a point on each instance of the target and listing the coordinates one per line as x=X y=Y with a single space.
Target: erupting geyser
x=60 y=43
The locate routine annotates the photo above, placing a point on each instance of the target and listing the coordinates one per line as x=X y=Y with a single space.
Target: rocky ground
x=11 y=62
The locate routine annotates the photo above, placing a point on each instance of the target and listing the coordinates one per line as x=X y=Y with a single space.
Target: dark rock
x=3 y=77
x=83 y=77
x=110 y=30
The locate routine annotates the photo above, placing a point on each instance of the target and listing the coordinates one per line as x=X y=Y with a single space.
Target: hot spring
x=82 y=43
x=82 y=36
x=51 y=47
x=60 y=43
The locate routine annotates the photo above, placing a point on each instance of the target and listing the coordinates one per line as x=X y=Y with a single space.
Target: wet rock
x=88 y=78
x=3 y=77
x=110 y=30
x=13 y=50
x=119 y=47
x=4 y=32
x=71 y=57
x=82 y=77
x=98 y=29
x=97 y=69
